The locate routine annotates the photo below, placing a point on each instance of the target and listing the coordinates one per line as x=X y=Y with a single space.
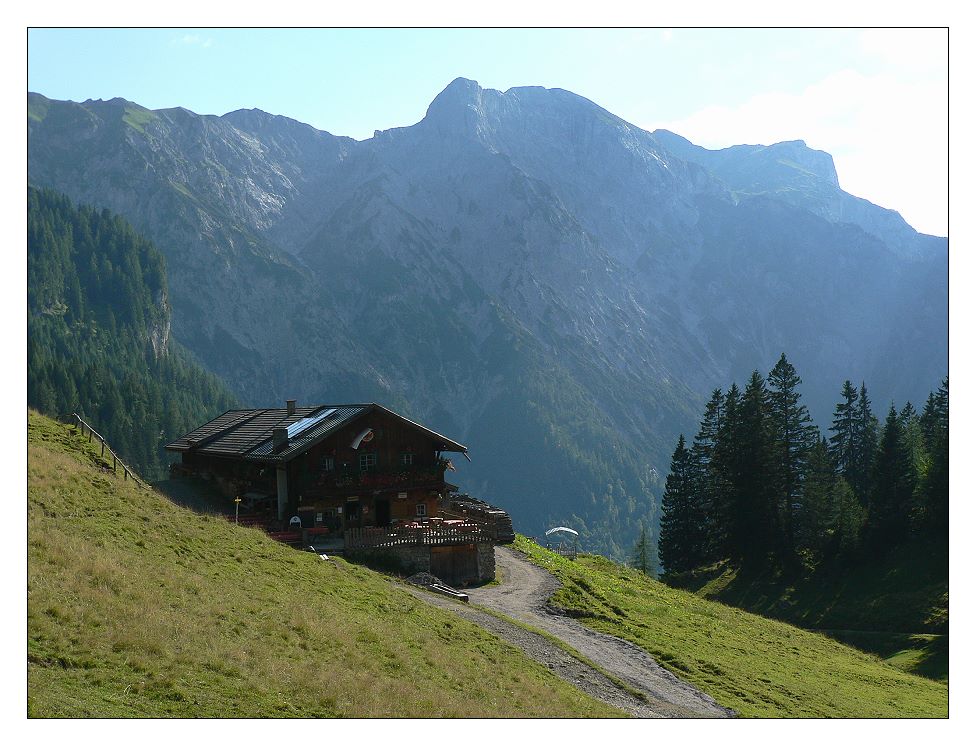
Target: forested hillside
x=846 y=532
x=761 y=485
x=98 y=338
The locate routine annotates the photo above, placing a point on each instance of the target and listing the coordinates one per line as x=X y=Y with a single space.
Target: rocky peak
x=817 y=162
x=457 y=109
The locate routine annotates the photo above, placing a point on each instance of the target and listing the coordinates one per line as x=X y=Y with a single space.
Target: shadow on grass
x=920 y=654
x=196 y=494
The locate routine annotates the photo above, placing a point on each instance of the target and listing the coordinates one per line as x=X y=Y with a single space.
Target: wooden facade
x=396 y=477
x=333 y=468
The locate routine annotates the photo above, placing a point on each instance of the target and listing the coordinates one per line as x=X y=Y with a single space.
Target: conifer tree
x=890 y=506
x=864 y=449
x=642 y=553
x=845 y=519
x=707 y=482
x=725 y=468
x=814 y=508
x=934 y=489
x=755 y=489
x=792 y=435
x=914 y=440
x=844 y=428
x=935 y=415
x=680 y=544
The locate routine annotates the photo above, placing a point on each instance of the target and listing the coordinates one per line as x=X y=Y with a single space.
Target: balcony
x=351 y=481
x=436 y=533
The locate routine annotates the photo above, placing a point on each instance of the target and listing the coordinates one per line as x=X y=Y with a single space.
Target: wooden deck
x=444 y=534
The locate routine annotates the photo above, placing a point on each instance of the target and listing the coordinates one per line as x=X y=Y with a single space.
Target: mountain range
x=522 y=270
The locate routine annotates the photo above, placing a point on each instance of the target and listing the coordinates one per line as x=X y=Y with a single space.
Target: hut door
x=382 y=511
x=353 y=516
x=455 y=565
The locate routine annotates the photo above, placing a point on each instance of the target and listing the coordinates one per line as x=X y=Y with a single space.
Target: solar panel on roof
x=297 y=428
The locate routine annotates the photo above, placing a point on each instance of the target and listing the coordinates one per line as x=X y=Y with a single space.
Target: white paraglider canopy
x=562 y=528
x=567 y=538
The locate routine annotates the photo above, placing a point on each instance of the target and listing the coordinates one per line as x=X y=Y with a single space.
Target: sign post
x=237 y=507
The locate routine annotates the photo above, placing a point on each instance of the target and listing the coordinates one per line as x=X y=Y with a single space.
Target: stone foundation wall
x=408 y=559
x=414 y=559
x=486 y=561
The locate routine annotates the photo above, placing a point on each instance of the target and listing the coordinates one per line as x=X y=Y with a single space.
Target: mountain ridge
x=530 y=272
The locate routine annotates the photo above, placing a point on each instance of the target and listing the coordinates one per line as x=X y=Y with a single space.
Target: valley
x=557 y=286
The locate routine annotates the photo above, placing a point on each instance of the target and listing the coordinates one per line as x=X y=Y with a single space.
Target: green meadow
x=140 y=608
x=757 y=666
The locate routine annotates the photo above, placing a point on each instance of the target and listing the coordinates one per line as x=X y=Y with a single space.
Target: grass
x=921 y=654
x=140 y=608
x=759 y=667
x=137 y=117
x=894 y=606
x=37 y=108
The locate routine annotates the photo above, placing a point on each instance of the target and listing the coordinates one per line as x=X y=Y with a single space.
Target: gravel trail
x=524 y=595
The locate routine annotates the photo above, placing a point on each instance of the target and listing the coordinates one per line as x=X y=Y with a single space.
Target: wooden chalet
x=356 y=472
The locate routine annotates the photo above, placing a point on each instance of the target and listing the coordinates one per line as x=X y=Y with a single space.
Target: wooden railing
x=427 y=535
x=84 y=427
x=569 y=552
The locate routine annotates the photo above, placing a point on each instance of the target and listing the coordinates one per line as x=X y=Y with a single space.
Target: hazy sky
x=877 y=100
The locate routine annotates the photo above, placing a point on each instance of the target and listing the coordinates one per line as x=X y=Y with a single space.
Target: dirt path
x=524 y=594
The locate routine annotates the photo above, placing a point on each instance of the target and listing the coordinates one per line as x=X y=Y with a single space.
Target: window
x=367 y=461
x=406 y=459
x=421 y=510
x=327 y=463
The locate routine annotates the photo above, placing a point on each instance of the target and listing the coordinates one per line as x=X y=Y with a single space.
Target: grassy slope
x=896 y=607
x=757 y=666
x=137 y=607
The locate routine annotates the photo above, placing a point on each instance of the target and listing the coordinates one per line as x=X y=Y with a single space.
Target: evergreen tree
x=845 y=519
x=864 y=448
x=757 y=498
x=914 y=440
x=642 y=553
x=843 y=442
x=681 y=537
x=725 y=466
x=935 y=416
x=813 y=511
x=890 y=506
x=745 y=453
x=792 y=435
x=707 y=482
x=830 y=516
x=934 y=487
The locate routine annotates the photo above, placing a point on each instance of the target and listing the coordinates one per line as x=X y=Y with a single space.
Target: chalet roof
x=247 y=433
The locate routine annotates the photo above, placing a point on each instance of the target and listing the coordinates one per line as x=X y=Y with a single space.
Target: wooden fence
x=569 y=552
x=428 y=535
x=83 y=427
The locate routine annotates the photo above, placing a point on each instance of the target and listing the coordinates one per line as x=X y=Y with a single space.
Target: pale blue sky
x=857 y=94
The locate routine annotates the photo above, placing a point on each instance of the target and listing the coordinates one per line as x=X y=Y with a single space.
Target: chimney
x=290 y=403
x=279 y=439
